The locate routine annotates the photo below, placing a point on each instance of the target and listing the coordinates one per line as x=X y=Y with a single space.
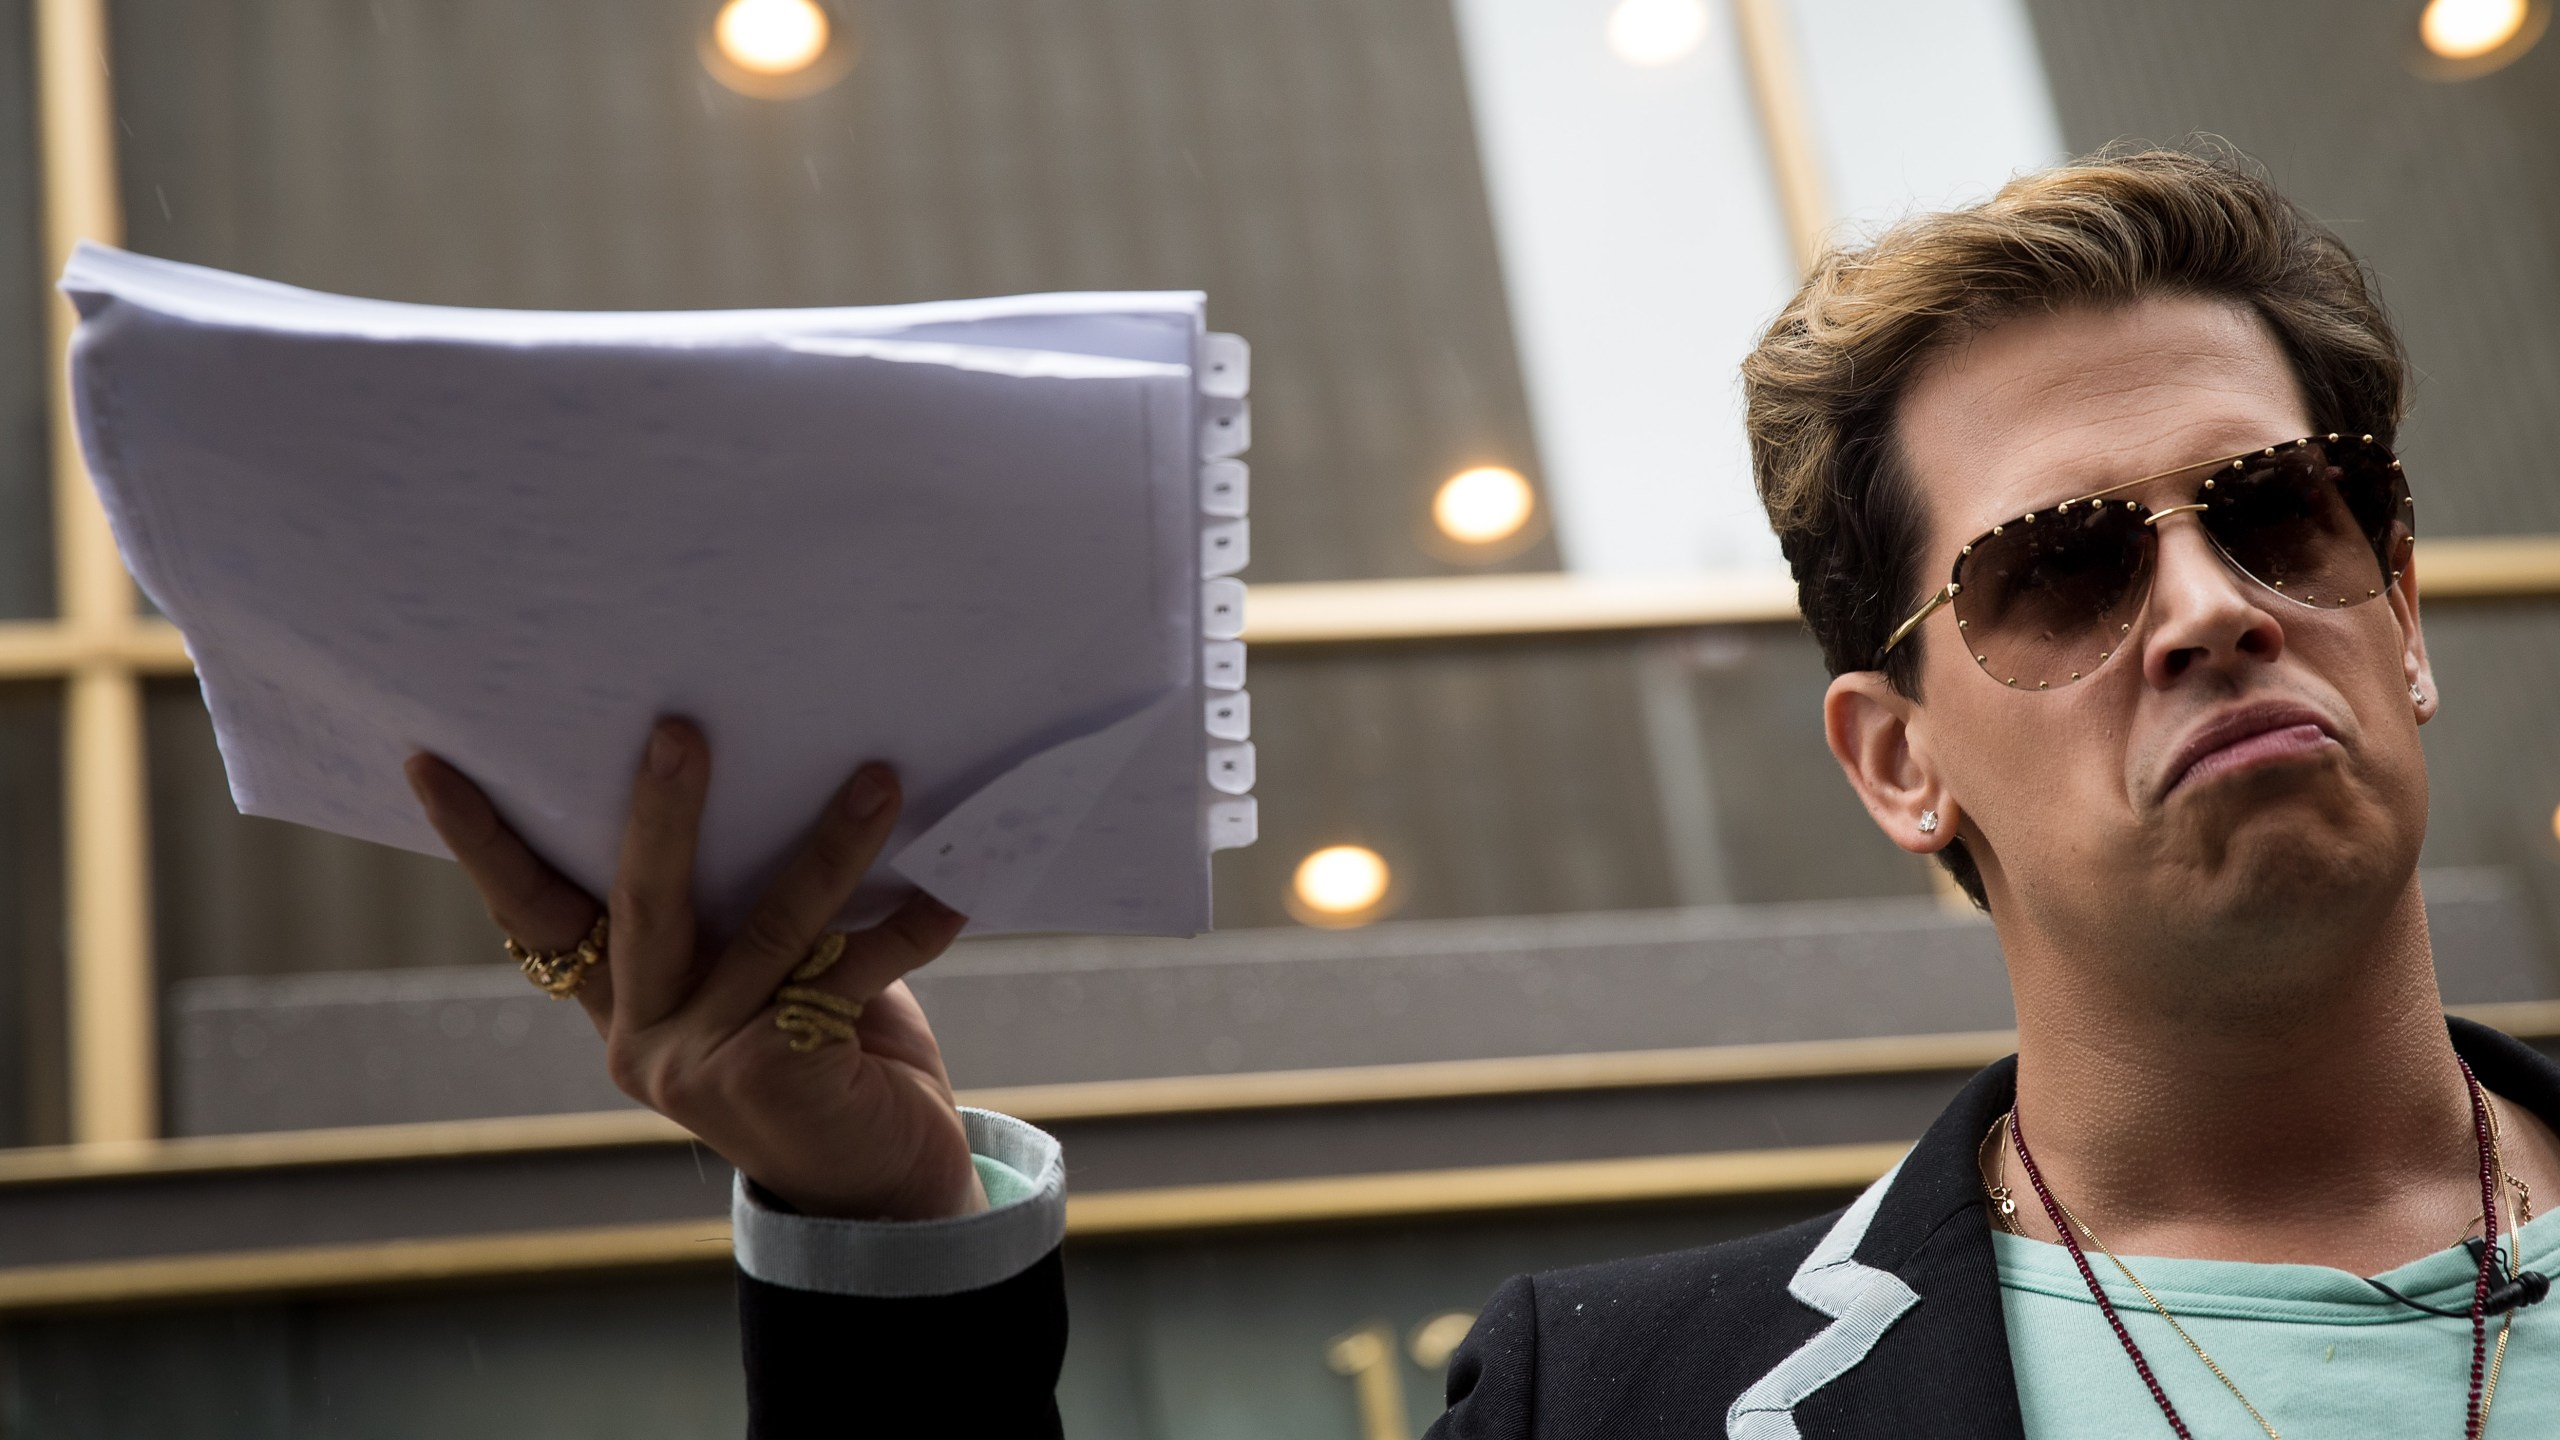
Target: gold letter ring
x=559 y=973
x=815 y=1017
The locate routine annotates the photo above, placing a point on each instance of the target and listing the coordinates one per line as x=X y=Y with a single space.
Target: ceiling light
x=1340 y=885
x=2469 y=29
x=1483 y=506
x=1658 y=32
x=771 y=37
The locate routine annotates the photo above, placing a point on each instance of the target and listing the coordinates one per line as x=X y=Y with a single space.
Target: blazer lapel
x=1917 y=1345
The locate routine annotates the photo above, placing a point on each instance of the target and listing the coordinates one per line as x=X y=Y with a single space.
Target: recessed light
x=1340 y=885
x=2469 y=29
x=776 y=49
x=1657 y=32
x=2461 y=39
x=1483 y=506
x=771 y=37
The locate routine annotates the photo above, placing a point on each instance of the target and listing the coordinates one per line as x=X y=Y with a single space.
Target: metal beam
x=1786 y=126
x=114 y=1045
x=1522 y=1076
x=551 y=1255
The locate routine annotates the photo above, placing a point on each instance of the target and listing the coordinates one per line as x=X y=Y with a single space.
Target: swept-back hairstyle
x=1822 y=387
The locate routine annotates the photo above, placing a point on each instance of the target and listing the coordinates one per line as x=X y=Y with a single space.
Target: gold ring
x=559 y=973
x=815 y=1017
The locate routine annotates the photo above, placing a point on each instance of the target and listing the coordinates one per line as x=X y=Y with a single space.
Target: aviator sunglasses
x=2325 y=522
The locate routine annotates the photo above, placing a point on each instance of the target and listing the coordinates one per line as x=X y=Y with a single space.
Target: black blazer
x=1880 y=1319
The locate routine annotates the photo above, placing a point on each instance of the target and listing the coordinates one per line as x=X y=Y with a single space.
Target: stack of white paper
x=985 y=541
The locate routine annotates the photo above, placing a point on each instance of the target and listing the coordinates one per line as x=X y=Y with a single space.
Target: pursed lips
x=2256 y=736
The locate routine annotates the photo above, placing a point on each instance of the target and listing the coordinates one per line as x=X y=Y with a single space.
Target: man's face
x=2243 y=760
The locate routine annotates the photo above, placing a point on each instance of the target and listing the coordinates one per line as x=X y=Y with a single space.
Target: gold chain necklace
x=2004 y=1208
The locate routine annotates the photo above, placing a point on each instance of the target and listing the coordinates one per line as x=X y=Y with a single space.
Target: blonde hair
x=1822 y=386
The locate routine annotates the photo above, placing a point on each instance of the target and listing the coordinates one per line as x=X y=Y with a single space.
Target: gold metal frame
x=1955 y=579
x=113 y=1044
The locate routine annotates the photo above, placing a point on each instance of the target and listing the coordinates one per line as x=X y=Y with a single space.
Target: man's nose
x=2204 y=613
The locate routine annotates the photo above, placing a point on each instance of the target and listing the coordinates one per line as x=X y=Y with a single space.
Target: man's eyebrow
x=2124 y=485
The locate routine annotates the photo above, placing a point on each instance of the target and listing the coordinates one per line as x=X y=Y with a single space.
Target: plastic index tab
x=1234 y=822
x=1225 y=427
x=1226 y=366
x=1231 y=768
x=1222 y=664
x=1224 y=548
x=1222 y=609
x=1222 y=488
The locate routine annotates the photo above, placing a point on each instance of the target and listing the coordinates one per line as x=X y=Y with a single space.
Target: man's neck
x=2328 y=1127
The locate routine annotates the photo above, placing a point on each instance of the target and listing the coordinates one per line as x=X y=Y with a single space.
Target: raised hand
x=863 y=1127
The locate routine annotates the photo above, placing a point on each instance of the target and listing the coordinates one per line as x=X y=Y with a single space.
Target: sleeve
x=880 y=1327
x=1025 y=1174
x=1493 y=1375
x=1493 y=1369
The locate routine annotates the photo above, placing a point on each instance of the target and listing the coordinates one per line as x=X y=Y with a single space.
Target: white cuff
x=895 y=1259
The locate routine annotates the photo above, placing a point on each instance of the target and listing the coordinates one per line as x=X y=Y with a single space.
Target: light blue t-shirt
x=2322 y=1354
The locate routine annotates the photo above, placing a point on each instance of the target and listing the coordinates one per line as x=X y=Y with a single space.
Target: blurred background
x=1563 y=938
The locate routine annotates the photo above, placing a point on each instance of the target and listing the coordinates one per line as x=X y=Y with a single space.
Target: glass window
x=32 y=1102
x=26 y=510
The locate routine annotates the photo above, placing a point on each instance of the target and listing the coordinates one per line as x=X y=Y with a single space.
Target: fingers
x=652 y=949
x=874 y=961
x=914 y=935
x=811 y=889
x=531 y=902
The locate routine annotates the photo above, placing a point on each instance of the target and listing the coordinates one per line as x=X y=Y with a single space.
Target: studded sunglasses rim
x=2238 y=460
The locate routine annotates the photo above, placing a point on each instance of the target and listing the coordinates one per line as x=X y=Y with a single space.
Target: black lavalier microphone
x=2525 y=1287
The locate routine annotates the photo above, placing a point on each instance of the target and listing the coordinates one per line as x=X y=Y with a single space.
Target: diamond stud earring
x=2417 y=694
x=1928 y=822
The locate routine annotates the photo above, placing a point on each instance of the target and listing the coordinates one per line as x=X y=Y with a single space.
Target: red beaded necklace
x=2479 y=1289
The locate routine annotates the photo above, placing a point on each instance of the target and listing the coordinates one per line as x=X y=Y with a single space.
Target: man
x=2089 y=500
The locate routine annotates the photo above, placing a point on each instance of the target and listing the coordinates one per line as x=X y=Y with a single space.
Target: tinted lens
x=2322 y=523
x=2041 y=603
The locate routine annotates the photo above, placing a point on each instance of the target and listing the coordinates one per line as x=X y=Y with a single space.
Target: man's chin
x=2281 y=848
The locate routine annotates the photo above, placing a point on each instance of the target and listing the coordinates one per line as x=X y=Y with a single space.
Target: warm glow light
x=1483 y=505
x=2469 y=29
x=2555 y=824
x=771 y=37
x=1341 y=880
x=1657 y=32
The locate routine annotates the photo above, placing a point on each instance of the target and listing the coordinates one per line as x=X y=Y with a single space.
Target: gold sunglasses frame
x=2236 y=460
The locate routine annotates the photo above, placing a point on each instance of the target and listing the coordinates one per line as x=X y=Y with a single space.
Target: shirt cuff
x=897 y=1259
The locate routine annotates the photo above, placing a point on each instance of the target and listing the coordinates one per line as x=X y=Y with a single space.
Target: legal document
x=991 y=542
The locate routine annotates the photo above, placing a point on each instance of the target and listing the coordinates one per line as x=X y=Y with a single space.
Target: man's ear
x=1869 y=725
x=2413 y=643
